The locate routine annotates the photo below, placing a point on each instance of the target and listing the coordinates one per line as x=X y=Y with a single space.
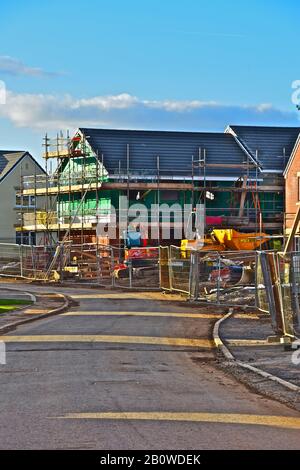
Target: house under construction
x=237 y=176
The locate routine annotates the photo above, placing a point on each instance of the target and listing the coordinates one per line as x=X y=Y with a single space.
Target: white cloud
x=264 y=107
x=11 y=66
x=106 y=103
x=178 y=106
x=48 y=112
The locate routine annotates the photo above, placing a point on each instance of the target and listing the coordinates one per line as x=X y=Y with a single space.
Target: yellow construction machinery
x=226 y=240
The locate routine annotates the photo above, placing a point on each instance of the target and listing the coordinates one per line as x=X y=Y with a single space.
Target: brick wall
x=292 y=190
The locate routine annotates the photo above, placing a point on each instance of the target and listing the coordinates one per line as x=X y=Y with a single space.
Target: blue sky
x=171 y=64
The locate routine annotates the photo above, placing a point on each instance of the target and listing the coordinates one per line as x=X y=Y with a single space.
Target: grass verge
x=11 y=304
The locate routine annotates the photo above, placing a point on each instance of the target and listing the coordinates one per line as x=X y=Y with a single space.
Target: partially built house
x=237 y=176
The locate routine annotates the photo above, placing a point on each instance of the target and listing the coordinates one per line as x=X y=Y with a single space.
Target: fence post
x=98 y=261
x=256 y=280
x=130 y=272
x=159 y=265
x=284 y=320
x=33 y=261
x=268 y=276
x=112 y=263
x=194 y=276
x=295 y=289
x=219 y=279
x=61 y=263
x=286 y=297
x=21 y=261
x=170 y=267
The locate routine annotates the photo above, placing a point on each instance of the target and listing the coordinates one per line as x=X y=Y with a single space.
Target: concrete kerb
x=217 y=340
x=233 y=361
x=56 y=311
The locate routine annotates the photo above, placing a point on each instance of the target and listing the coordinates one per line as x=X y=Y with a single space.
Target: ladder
x=256 y=200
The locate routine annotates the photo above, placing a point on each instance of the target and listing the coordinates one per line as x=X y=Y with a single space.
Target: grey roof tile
x=8 y=159
x=175 y=151
x=274 y=145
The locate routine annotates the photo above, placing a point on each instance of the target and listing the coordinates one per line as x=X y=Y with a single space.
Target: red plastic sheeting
x=214 y=220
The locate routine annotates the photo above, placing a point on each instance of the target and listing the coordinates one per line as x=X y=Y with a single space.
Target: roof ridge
x=100 y=129
x=262 y=127
x=7 y=152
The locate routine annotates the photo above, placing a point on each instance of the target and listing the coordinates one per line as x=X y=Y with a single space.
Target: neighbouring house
x=13 y=165
x=237 y=175
x=292 y=194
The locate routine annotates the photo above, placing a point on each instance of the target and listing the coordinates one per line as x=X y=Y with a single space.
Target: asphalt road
x=129 y=371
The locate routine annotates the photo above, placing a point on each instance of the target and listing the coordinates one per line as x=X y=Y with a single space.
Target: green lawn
x=10 y=304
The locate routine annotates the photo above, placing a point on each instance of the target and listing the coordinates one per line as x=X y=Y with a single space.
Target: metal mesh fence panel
x=88 y=262
x=209 y=276
x=265 y=280
x=277 y=274
x=227 y=278
x=137 y=268
x=164 y=273
x=179 y=270
x=35 y=260
x=10 y=262
x=284 y=268
x=261 y=292
x=287 y=267
x=26 y=261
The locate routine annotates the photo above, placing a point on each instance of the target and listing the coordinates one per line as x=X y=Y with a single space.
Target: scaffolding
x=247 y=195
x=60 y=193
x=68 y=201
